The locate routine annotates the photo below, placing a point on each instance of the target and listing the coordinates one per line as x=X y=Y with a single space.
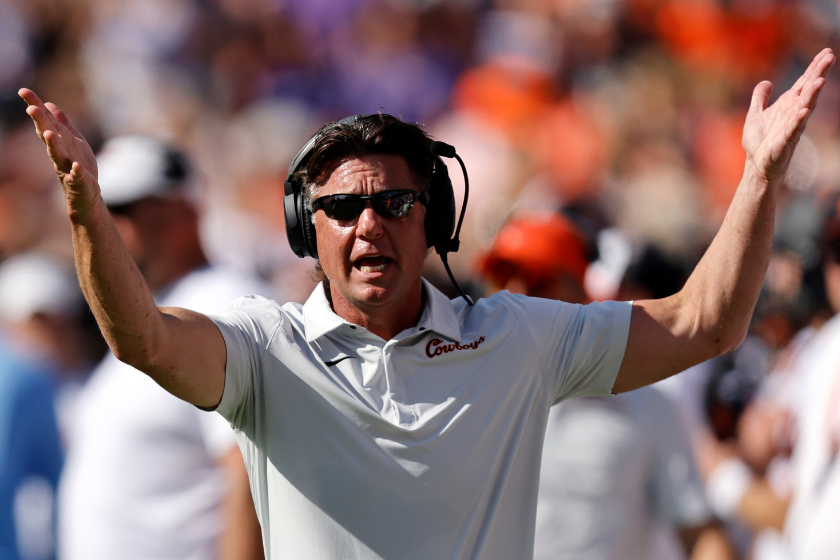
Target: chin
x=372 y=294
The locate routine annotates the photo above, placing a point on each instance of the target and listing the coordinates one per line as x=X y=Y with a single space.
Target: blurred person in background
x=149 y=476
x=618 y=478
x=29 y=211
x=31 y=457
x=811 y=523
x=42 y=318
x=44 y=313
x=803 y=508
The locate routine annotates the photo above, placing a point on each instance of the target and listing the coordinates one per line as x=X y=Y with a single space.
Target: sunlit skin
x=373 y=263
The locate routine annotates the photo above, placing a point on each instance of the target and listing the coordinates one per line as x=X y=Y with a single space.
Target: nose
x=370 y=223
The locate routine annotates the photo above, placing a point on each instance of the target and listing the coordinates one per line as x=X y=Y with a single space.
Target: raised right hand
x=72 y=156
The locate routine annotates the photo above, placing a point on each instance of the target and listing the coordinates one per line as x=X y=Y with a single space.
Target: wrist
x=753 y=174
x=82 y=209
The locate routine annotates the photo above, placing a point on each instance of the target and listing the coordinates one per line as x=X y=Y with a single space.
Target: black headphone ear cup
x=294 y=231
x=308 y=228
x=440 y=212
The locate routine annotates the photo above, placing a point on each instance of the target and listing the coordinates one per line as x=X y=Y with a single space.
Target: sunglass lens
x=395 y=205
x=342 y=208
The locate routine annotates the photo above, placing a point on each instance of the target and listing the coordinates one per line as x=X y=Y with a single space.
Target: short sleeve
x=246 y=327
x=582 y=345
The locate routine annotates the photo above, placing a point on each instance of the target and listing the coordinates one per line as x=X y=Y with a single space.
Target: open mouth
x=372 y=264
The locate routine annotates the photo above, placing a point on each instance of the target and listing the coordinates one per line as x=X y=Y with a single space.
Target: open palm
x=72 y=156
x=771 y=133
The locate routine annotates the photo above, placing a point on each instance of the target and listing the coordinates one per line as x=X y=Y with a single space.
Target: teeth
x=377 y=268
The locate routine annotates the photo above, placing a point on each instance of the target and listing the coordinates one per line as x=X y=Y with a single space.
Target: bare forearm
x=115 y=289
x=724 y=287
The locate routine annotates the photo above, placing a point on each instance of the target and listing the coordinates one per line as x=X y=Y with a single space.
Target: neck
x=384 y=320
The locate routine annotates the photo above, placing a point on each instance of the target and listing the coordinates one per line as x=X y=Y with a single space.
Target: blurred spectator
x=618 y=478
x=31 y=211
x=148 y=475
x=244 y=162
x=44 y=314
x=30 y=459
x=750 y=478
x=811 y=523
x=541 y=255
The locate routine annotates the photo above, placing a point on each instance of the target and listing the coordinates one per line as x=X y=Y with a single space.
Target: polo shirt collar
x=438 y=315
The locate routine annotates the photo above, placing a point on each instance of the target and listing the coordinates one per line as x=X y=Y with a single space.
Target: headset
x=440 y=210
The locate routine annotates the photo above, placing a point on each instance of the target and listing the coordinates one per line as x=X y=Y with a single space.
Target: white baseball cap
x=32 y=283
x=136 y=167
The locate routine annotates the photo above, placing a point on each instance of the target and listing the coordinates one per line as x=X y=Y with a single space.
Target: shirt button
x=352 y=326
x=422 y=329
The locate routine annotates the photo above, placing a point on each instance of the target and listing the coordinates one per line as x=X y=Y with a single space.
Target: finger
x=798 y=125
x=61 y=117
x=42 y=123
x=825 y=64
x=811 y=94
x=56 y=151
x=30 y=97
x=33 y=101
x=810 y=71
x=760 y=97
x=77 y=174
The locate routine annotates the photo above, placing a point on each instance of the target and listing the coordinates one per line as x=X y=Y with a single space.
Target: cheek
x=333 y=245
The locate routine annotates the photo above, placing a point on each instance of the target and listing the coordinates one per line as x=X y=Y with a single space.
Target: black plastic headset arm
x=452 y=245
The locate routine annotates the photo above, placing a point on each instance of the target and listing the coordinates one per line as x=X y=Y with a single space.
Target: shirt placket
x=403 y=415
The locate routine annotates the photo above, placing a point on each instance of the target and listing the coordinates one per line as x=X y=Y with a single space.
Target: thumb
x=760 y=97
x=77 y=177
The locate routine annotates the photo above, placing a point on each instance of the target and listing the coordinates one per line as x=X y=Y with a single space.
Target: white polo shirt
x=424 y=446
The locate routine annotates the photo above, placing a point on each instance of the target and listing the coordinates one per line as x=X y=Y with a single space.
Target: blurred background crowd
x=602 y=139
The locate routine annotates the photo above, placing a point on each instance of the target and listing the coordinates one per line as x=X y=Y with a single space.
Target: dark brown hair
x=371 y=134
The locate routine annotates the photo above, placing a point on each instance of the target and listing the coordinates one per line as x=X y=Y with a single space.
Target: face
x=373 y=263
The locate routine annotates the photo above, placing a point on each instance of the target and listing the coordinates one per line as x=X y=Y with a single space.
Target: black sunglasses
x=388 y=204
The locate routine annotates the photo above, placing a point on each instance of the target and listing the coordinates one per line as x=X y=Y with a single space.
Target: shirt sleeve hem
x=228 y=391
x=618 y=341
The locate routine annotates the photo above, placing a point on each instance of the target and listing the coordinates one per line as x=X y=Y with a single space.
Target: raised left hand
x=771 y=133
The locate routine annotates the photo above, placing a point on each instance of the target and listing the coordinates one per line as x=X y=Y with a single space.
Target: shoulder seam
x=521 y=323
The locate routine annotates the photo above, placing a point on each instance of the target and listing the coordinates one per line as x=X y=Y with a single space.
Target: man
x=618 y=479
x=149 y=476
x=45 y=316
x=380 y=419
